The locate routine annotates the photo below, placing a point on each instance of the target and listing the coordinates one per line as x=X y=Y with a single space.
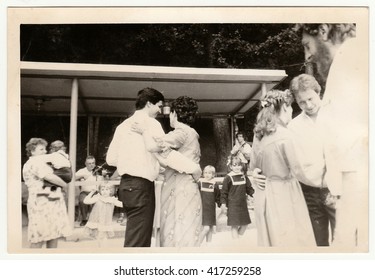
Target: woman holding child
x=48 y=218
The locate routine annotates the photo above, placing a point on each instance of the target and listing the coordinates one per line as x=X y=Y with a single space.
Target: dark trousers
x=138 y=197
x=322 y=216
x=65 y=173
x=84 y=208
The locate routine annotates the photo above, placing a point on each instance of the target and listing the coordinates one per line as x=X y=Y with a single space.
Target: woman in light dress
x=48 y=217
x=282 y=218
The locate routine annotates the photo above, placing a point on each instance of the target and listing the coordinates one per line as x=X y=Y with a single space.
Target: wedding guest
x=48 y=218
x=137 y=167
x=86 y=175
x=282 y=216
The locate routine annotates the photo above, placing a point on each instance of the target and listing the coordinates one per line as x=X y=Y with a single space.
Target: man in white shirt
x=343 y=119
x=138 y=167
x=242 y=149
x=309 y=146
x=86 y=175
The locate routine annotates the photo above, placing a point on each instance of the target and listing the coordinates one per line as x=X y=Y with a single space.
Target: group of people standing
x=315 y=165
x=304 y=183
x=132 y=151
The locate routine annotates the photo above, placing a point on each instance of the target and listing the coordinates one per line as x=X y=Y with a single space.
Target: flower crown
x=275 y=97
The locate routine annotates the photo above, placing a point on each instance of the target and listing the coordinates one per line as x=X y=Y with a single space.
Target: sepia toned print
x=79 y=89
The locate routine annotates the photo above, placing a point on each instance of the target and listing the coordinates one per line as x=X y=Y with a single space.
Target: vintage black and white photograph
x=188 y=130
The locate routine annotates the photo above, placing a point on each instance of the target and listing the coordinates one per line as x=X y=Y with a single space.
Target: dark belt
x=127 y=176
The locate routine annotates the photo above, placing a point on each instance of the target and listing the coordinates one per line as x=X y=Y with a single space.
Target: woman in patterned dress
x=48 y=218
x=181 y=205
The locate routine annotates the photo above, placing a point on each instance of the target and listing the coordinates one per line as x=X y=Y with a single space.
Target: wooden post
x=96 y=137
x=232 y=130
x=90 y=133
x=73 y=149
x=222 y=141
x=264 y=91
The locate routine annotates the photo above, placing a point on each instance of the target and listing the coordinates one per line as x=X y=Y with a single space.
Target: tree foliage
x=266 y=46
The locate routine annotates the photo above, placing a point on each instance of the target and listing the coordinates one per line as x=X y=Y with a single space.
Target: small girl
x=233 y=197
x=210 y=194
x=99 y=224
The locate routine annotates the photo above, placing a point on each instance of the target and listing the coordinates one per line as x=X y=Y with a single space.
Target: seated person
x=86 y=174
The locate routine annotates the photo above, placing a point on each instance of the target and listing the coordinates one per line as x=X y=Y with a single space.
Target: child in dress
x=60 y=163
x=210 y=194
x=236 y=187
x=99 y=224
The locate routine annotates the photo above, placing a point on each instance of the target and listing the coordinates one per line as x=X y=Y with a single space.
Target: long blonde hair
x=267 y=118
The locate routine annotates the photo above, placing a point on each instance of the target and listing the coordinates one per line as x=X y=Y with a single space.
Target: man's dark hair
x=186 y=109
x=148 y=95
x=337 y=32
x=240 y=133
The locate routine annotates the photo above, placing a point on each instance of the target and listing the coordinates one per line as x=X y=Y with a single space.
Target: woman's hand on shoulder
x=137 y=128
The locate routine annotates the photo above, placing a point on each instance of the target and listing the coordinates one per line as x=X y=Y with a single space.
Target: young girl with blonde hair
x=210 y=194
x=100 y=223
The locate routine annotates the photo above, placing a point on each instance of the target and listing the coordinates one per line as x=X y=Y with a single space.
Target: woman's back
x=186 y=140
x=271 y=154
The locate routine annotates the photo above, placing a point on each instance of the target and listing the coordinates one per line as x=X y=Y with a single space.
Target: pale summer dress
x=181 y=205
x=282 y=218
x=48 y=219
x=100 y=223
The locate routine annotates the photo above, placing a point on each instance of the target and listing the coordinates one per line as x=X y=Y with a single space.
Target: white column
x=264 y=91
x=232 y=130
x=73 y=149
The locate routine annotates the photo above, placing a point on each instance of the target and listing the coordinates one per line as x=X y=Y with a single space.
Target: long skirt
x=282 y=217
x=181 y=211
